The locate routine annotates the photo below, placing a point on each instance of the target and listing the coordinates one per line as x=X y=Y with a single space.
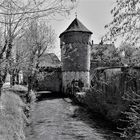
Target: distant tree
x=125 y=23
x=127 y=52
x=106 y=55
x=38 y=38
x=131 y=54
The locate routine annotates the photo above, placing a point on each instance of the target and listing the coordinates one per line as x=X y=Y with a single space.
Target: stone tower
x=75 y=54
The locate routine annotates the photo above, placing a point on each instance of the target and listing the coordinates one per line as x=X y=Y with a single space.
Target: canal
x=59 y=119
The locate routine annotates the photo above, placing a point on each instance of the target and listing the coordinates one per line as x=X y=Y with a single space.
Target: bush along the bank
x=32 y=107
x=12 y=117
x=105 y=96
x=118 y=99
x=15 y=112
x=110 y=107
x=132 y=131
x=32 y=103
x=132 y=114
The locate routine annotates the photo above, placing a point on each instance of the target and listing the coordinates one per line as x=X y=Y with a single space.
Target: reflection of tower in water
x=75 y=54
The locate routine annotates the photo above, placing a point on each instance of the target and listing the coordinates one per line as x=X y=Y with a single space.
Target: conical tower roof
x=76 y=26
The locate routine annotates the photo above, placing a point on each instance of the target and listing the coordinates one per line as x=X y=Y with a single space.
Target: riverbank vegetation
x=125 y=27
x=132 y=131
x=105 y=96
x=15 y=112
x=12 y=116
x=116 y=96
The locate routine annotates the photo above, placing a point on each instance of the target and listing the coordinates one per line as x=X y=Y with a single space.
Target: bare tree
x=15 y=15
x=39 y=37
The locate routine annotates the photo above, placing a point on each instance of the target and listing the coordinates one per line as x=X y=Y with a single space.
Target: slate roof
x=49 y=60
x=76 y=26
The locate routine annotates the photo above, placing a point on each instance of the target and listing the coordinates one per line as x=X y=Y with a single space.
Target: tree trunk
x=17 y=78
x=0 y=84
x=28 y=98
x=0 y=87
x=2 y=80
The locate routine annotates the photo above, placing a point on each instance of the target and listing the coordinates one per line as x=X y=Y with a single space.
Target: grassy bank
x=12 y=117
x=124 y=113
x=122 y=109
x=111 y=107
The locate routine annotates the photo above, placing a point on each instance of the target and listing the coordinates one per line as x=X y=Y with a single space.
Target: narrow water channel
x=56 y=119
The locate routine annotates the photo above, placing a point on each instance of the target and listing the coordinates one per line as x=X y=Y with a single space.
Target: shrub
x=105 y=95
x=118 y=99
x=12 y=118
x=132 y=131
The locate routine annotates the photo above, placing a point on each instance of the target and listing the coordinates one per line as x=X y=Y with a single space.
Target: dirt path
x=55 y=119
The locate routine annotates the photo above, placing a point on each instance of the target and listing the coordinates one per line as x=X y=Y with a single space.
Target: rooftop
x=76 y=26
x=49 y=60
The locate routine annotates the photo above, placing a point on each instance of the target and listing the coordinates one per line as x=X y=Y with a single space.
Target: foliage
x=125 y=26
x=126 y=21
x=38 y=38
x=106 y=55
x=105 y=94
x=131 y=132
x=12 y=117
x=130 y=54
x=117 y=97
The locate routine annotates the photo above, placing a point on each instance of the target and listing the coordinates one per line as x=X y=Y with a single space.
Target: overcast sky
x=94 y=14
